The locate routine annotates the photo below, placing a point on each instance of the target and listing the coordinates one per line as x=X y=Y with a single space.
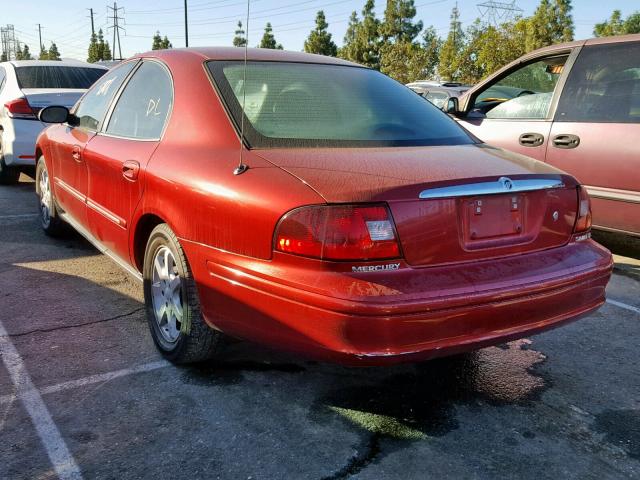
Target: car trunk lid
x=39 y=98
x=449 y=204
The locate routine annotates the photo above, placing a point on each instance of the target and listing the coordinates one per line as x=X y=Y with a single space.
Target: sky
x=213 y=22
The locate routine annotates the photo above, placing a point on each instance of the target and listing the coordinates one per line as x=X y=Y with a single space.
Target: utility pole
x=40 y=38
x=93 y=31
x=116 y=28
x=186 y=27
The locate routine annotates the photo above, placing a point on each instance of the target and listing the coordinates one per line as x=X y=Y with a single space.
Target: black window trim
x=224 y=92
x=107 y=118
x=572 y=53
x=117 y=94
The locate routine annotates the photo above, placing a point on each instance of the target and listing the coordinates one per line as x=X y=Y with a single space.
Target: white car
x=27 y=86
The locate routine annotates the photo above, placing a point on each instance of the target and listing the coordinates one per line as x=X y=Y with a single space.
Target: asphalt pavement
x=84 y=394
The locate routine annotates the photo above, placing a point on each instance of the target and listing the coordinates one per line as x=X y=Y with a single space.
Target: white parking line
x=631 y=308
x=62 y=460
x=99 y=378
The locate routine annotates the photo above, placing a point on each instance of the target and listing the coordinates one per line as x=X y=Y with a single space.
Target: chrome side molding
x=502 y=185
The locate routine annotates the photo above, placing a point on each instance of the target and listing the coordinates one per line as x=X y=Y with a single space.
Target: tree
x=398 y=25
x=3 y=57
x=54 y=54
x=268 y=40
x=319 y=40
x=99 y=50
x=44 y=53
x=451 y=48
x=93 y=53
x=551 y=23
x=362 y=42
x=405 y=62
x=160 y=43
x=240 y=40
x=26 y=54
x=615 y=25
x=432 y=44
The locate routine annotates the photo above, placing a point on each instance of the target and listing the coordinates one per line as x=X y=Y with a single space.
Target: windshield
x=58 y=76
x=299 y=104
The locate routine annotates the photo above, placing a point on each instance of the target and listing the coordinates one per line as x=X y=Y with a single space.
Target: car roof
x=591 y=41
x=253 y=54
x=54 y=63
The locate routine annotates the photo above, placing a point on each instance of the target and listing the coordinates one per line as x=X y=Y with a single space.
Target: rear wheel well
x=145 y=226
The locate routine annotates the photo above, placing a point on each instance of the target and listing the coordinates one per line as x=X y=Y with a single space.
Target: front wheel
x=51 y=223
x=171 y=301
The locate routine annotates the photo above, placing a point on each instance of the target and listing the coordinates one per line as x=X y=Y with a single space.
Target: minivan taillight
x=583 y=220
x=338 y=232
x=19 y=108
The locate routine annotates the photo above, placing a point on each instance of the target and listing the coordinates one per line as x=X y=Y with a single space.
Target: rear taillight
x=583 y=220
x=19 y=108
x=338 y=232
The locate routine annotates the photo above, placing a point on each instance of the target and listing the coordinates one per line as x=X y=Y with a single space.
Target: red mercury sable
x=354 y=221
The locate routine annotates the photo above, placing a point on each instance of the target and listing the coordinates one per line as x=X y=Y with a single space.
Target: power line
x=496 y=13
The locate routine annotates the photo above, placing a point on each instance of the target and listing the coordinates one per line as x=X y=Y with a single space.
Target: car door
x=118 y=155
x=596 y=132
x=69 y=143
x=514 y=109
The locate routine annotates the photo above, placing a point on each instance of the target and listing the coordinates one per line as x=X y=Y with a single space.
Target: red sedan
x=354 y=222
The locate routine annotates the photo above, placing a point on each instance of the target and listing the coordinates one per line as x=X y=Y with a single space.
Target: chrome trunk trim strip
x=502 y=185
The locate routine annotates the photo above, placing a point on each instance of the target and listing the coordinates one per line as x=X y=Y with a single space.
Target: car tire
x=171 y=300
x=50 y=221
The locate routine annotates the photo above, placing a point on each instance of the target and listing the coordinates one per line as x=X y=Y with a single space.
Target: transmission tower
x=496 y=13
x=117 y=16
x=9 y=43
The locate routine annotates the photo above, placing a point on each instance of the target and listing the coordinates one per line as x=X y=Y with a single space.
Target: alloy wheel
x=166 y=293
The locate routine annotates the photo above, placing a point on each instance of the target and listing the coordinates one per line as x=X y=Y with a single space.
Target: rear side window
x=57 y=77
x=3 y=78
x=143 y=108
x=603 y=86
x=93 y=106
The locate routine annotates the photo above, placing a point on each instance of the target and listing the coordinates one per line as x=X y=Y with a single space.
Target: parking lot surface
x=84 y=394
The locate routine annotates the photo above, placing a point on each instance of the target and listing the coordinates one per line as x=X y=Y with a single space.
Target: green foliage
x=160 y=43
x=362 y=41
x=23 y=53
x=451 y=51
x=319 y=40
x=53 y=53
x=398 y=25
x=268 y=40
x=615 y=25
x=551 y=23
x=240 y=40
x=405 y=61
x=44 y=54
x=98 y=48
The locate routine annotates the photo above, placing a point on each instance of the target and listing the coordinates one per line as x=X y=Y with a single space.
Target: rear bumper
x=406 y=315
x=19 y=141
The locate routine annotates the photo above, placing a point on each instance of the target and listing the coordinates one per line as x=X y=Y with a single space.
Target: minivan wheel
x=51 y=223
x=172 y=304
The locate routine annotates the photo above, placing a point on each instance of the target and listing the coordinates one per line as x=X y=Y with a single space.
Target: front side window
x=92 y=108
x=300 y=104
x=523 y=94
x=603 y=86
x=58 y=76
x=143 y=108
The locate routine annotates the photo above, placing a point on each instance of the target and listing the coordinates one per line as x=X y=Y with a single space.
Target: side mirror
x=54 y=114
x=452 y=106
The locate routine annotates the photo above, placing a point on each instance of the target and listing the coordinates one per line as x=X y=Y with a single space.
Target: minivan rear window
x=290 y=105
x=57 y=76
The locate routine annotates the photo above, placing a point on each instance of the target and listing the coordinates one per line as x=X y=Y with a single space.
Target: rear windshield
x=57 y=76
x=299 y=105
